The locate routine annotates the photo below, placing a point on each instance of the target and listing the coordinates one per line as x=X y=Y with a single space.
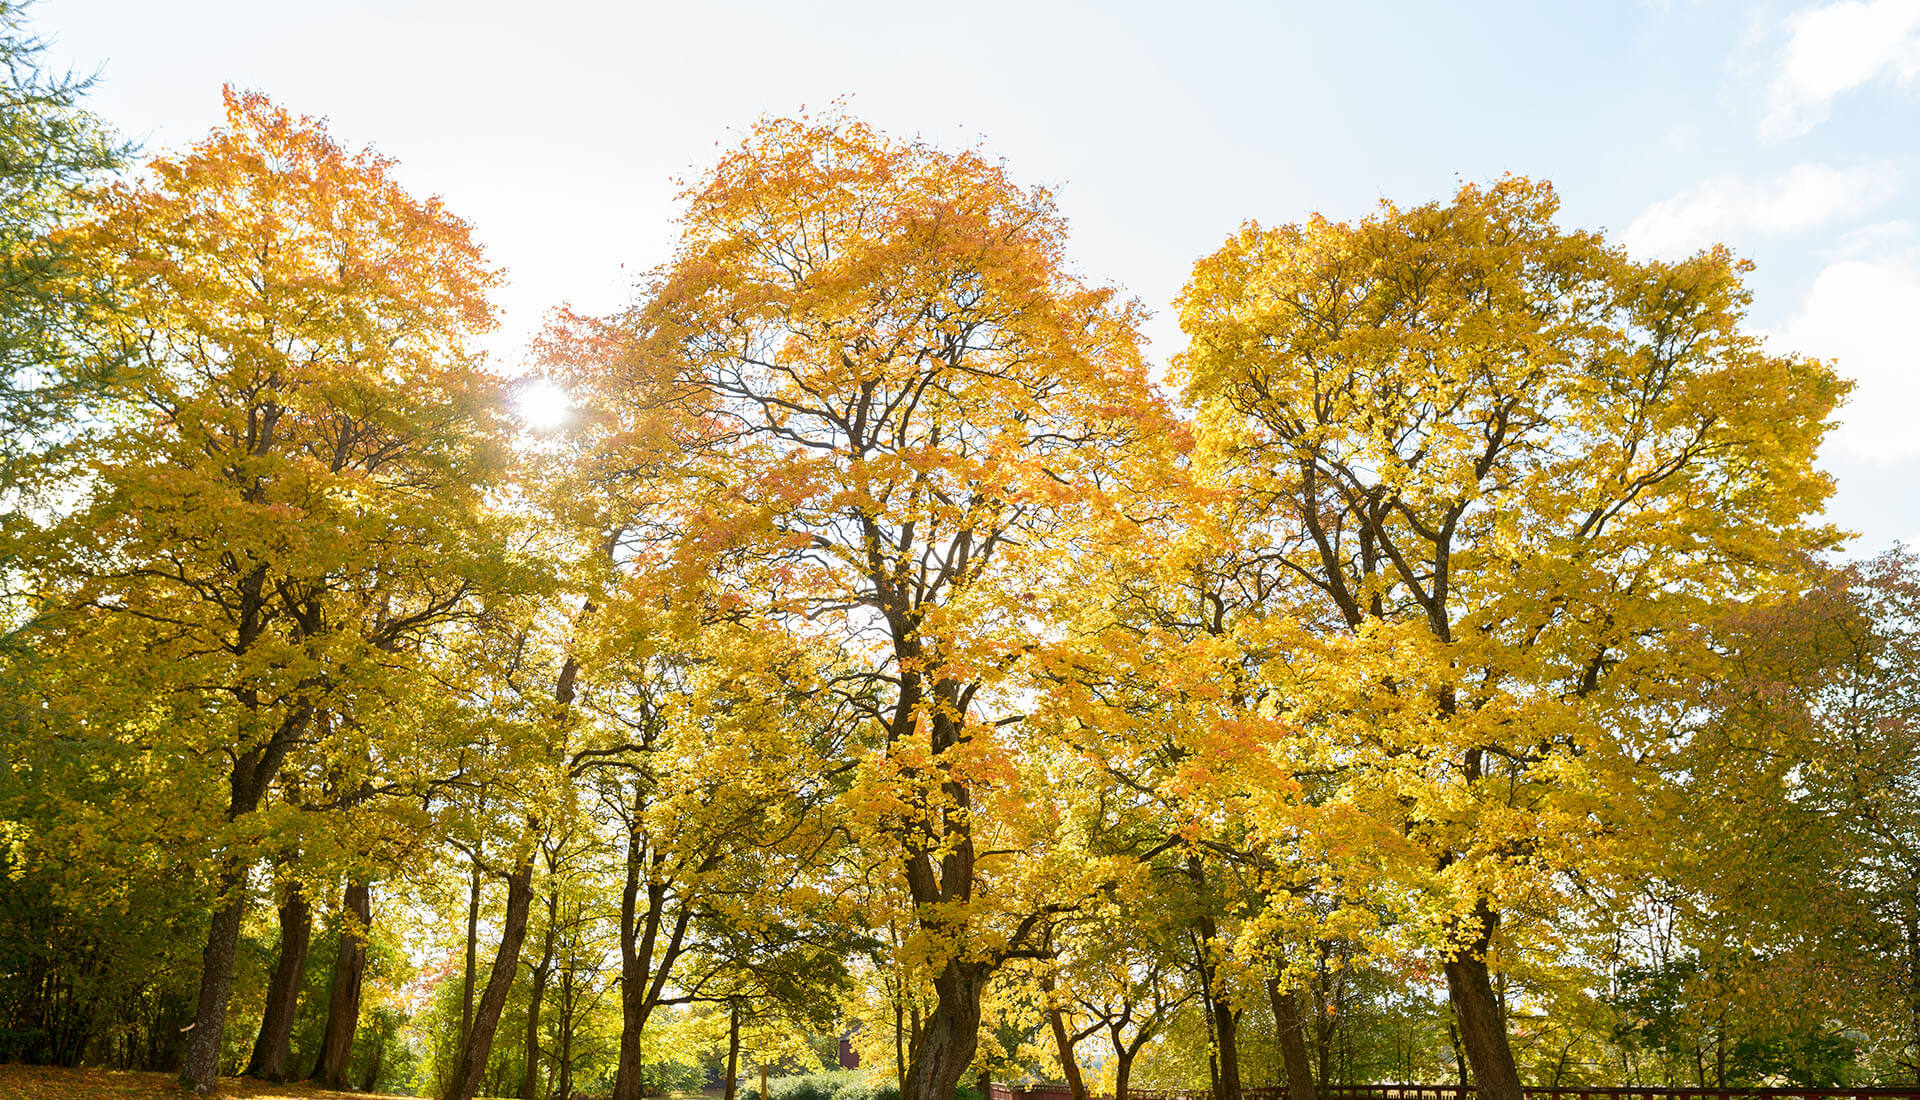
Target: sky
x=561 y=131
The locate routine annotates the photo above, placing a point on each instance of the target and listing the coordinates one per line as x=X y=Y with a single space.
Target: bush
x=843 y=1084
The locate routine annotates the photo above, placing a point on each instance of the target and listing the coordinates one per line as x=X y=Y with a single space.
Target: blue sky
x=1788 y=131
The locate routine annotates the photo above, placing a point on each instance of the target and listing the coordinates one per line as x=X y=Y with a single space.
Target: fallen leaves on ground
x=53 y=1083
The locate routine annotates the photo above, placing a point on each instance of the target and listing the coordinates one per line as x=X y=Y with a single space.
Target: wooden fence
x=1466 y=1092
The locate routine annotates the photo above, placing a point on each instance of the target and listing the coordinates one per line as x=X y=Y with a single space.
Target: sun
x=542 y=405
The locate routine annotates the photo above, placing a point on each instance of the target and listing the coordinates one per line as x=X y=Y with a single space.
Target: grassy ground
x=47 y=1083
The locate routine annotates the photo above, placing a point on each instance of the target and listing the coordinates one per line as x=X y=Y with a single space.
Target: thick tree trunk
x=202 y=1064
x=1122 y=1072
x=271 y=1048
x=1483 y=1027
x=1291 y=1030
x=506 y=962
x=343 y=993
x=530 y=1084
x=951 y=1034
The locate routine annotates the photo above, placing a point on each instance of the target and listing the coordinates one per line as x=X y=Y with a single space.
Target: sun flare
x=542 y=406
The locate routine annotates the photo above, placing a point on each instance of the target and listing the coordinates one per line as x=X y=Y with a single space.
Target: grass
x=50 y=1083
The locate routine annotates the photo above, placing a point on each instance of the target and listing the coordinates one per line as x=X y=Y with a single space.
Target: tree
x=887 y=403
x=289 y=493
x=1802 y=866
x=1513 y=467
x=51 y=150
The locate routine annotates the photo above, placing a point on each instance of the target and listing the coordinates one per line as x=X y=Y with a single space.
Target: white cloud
x=1835 y=48
x=1860 y=314
x=1881 y=239
x=1725 y=208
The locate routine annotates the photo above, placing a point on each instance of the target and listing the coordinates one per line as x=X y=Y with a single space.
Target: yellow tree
x=890 y=406
x=1512 y=466
x=289 y=493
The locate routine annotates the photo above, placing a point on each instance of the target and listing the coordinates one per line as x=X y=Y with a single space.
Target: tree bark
x=733 y=1048
x=636 y=949
x=530 y=1084
x=506 y=962
x=1291 y=1030
x=951 y=1033
x=1483 y=1027
x=1069 y=1066
x=473 y=934
x=202 y=1064
x=343 y=993
x=272 y=1046
x=568 y=1020
x=1226 y=1027
x=253 y=772
x=645 y=962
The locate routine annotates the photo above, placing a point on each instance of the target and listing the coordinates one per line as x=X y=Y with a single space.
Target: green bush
x=842 y=1084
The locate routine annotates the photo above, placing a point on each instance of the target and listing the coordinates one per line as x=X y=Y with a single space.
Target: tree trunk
x=645 y=962
x=1226 y=1025
x=343 y=993
x=1326 y=1014
x=271 y=1048
x=506 y=962
x=1483 y=1028
x=733 y=1049
x=1122 y=1071
x=1224 y=1050
x=1291 y=1030
x=253 y=772
x=952 y=1032
x=202 y=1064
x=1069 y=1067
x=530 y=1084
x=473 y=933
x=568 y=1004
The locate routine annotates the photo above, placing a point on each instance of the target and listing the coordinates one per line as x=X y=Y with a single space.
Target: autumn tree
x=1513 y=466
x=711 y=758
x=890 y=402
x=1165 y=682
x=1796 y=871
x=289 y=492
